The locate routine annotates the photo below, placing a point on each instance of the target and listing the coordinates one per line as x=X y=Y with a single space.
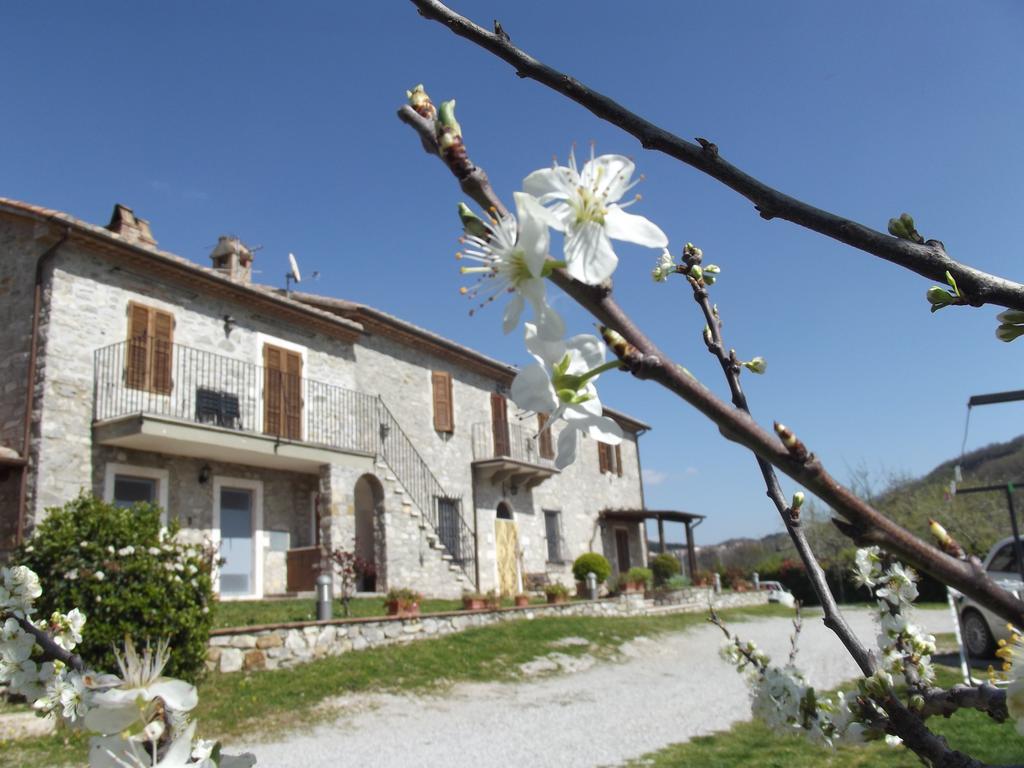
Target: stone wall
x=286 y=645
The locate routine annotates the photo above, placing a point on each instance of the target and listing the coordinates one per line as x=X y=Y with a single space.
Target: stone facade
x=328 y=495
x=273 y=647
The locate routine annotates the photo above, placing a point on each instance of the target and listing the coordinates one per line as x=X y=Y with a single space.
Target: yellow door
x=506 y=545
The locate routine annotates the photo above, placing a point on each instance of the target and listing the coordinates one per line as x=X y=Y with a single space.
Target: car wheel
x=976 y=635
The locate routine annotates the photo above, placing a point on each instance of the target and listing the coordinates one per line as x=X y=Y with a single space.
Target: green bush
x=636 y=576
x=678 y=582
x=664 y=566
x=592 y=562
x=129 y=576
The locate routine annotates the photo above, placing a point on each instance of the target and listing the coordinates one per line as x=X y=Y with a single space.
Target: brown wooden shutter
x=272 y=374
x=161 y=345
x=137 y=352
x=499 y=425
x=618 y=460
x=444 y=411
x=292 y=395
x=602 y=457
x=547 y=450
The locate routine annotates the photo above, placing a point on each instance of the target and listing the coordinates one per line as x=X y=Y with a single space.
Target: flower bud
x=696 y=272
x=1011 y=317
x=473 y=224
x=798 y=501
x=785 y=435
x=757 y=365
x=419 y=100
x=904 y=229
x=692 y=253
x=711 y=272
x=940 y=533
x=708 y=338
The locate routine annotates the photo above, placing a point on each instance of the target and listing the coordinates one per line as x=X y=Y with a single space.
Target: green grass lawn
x=279 y=699
x=753 y=745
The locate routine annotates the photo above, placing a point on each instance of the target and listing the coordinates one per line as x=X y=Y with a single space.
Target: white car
x=778 y=593
x=979 y=627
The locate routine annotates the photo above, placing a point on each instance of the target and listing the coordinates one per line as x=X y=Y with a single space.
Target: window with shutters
x=149 y=350
x=499 y=425
x=444 y=407
x=609 y=458
x=545 y=445
x=282 y=392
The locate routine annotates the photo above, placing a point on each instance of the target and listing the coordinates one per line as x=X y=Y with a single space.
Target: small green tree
x=664 y=566
x=129 y=576
x=592 y=562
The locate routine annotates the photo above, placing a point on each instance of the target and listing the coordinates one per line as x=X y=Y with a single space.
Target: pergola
x=688 y=519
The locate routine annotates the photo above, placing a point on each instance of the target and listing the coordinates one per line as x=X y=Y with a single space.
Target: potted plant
x=472 y=601
x=556 y=593
x=522 y=600
x=403 y=602
x=635 y=580
x=492 y=600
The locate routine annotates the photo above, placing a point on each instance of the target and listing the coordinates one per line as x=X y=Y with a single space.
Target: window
x=125 y=485
x=448 y=526
x=1005 y=560
x=282 y=392
x=553 y=530
x=609 y=458
x=150 y=345
x=444 y=407
x=499 y=425
x=547 y=450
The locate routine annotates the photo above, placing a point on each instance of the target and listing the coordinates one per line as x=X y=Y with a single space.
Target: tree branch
x=984 y=698
x=51 y=651
x=928 y=259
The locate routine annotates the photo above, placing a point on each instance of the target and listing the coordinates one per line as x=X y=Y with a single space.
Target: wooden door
x=506 y=542
x=282 y=392
x=622 y=549
x=499 y=425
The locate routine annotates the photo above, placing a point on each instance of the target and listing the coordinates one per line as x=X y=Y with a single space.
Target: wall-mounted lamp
x=385 y=430
x=229 y=324
x=204 y=474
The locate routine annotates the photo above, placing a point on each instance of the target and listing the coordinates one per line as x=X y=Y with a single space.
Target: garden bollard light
x=757 y=582
x=323 y=597
x=592 y=585
x=718 y=583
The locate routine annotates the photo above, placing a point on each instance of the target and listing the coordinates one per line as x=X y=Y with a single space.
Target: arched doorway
x=506 y=550
x=369 y=543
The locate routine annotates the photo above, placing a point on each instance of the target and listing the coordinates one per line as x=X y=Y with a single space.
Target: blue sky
x=276 y=123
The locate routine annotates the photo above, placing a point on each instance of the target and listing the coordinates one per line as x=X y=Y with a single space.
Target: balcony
x=508 y=453
x=158 y=396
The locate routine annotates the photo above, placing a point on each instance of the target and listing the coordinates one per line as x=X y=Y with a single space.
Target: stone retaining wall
x=286 y=645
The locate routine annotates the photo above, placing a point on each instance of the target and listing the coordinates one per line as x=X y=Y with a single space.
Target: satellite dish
x=295 y=268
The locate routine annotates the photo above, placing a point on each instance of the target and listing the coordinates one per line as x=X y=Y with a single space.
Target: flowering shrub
x=592 y=562
x=140 y=718
x=129 y=575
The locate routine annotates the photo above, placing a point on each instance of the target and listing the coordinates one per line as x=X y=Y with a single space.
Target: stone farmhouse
x=274 y=423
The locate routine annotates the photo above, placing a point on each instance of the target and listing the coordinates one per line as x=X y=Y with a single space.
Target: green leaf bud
x=757 y=365
x=952 y=282
x=446 y=118
x=939 y=297
x=1006 y=332
x=1011 y=316
x=473 y=224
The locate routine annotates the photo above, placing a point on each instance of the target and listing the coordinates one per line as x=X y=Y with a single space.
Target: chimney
x=129 y=227
x=233 y=259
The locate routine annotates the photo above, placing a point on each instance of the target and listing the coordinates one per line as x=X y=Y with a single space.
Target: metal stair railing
x=442 y=510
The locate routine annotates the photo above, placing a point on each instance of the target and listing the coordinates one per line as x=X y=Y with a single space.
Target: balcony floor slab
x=161 y=434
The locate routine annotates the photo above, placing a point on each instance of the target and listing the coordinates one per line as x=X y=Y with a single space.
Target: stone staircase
x=440 y=564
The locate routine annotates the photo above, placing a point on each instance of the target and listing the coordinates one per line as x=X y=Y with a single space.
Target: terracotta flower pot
x=472 y=603
x=556 y=599
x=402 y=609
x=522 y=601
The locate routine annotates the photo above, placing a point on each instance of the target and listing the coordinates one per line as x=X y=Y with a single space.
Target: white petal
x=513 y=310
x=568 y=441
x=590 y=351
x=588 y=254
x=615 y=172
x=106 y=718
x=176 y=694
x=550 y=184
x=550 y=326
x=604 y=429
x=532 y=390
x=534 y=238
x=546 y=351
x=620 y=225
x=110 y=752
x=179 y=754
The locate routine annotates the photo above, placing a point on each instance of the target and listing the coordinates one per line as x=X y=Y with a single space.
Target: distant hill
x=976 y=520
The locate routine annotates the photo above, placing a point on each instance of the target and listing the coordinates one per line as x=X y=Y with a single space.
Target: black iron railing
x=517 y=443
x=442 y=510
x=189 y=384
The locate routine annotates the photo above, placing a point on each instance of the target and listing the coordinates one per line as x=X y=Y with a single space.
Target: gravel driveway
x=585 y=718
